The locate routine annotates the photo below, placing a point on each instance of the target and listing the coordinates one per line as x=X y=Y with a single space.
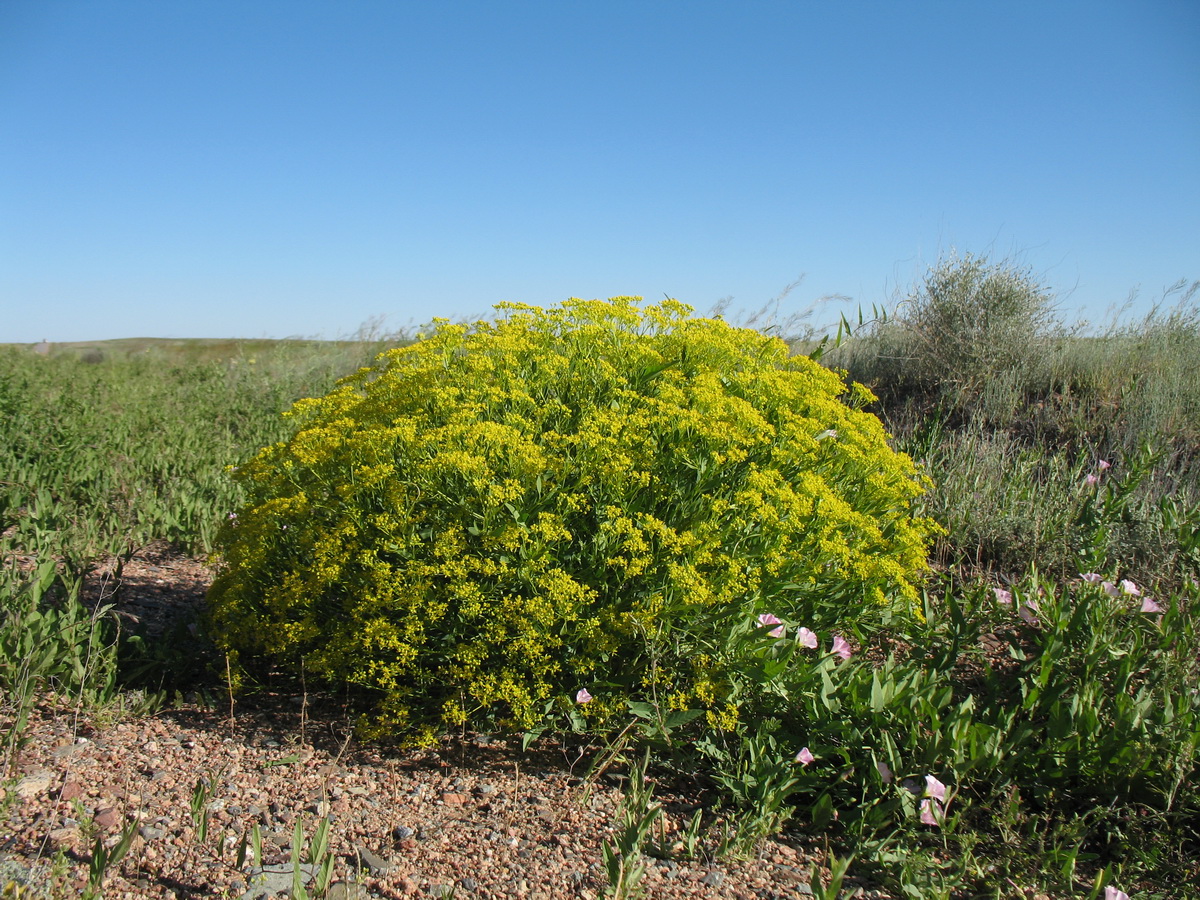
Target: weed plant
x=624 y=865
x=62 y=649
x=587 y=500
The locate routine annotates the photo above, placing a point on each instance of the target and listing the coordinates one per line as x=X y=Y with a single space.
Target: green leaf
x=642 y=709
x=822 y=812
x=531 y=737
x=878 y=697
x=681 y=717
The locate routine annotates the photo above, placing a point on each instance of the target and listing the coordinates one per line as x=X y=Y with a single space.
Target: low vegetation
x=964 y=658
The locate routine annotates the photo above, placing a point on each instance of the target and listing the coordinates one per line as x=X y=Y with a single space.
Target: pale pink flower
x=1028 y=613
x=582 y=696
x=806 y=638
x=1002 y=596
x=934 y=788
x=841 y=647
x=1111 y=893
x=930 y=810
x=1130 y=588
x=885 y=771
x=768 y=619
x=1111 y=589
x=1103 y=464
x=804 y=757
x=1149 y=606
x=1092 y=479
x=1091 y=577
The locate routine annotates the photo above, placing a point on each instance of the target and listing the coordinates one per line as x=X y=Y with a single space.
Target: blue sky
x=267 y=169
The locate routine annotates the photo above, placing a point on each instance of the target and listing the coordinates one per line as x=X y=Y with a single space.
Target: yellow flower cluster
x=491 y=518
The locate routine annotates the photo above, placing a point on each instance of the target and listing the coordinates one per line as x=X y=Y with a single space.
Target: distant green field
x=192 y=350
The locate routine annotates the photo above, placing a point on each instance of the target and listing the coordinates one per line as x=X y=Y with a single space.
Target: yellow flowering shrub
x=484 y=522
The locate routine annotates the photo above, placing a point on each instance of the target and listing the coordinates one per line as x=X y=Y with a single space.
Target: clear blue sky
x=249 y=169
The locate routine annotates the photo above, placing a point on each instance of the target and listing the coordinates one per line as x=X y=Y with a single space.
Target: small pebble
x=346 y=890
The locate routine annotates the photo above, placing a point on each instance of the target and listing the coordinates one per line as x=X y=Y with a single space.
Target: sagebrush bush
x=485 y=522
x=967 y=322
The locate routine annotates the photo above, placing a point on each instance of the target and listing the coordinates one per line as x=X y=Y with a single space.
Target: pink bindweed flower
x=1092 y=479
x=1091 y=577
x=1130 y=588
x=841 y=647
x=804 y=757
x=930 y=811
x=1103 y=464
x=1028 y=613
x=582 y=696
x=768 y=619
x=806 y=638
x=934 y=788
x=1002 y=596
x=885 y=771
x=1149 y=606
x=1111 y=893
x=1110 y=589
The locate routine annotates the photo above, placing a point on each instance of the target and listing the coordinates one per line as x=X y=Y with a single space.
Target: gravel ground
x=480 y=818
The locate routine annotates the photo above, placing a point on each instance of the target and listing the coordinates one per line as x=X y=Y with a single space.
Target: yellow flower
x=500 y=511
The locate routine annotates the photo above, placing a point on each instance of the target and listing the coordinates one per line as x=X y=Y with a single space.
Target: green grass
x=106 y=454
x=1064 y=723
x=1010 y=448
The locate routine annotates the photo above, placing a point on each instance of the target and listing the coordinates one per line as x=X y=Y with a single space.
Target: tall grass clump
x=1138 y=378
x=509 y=519
x=1035 y=432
